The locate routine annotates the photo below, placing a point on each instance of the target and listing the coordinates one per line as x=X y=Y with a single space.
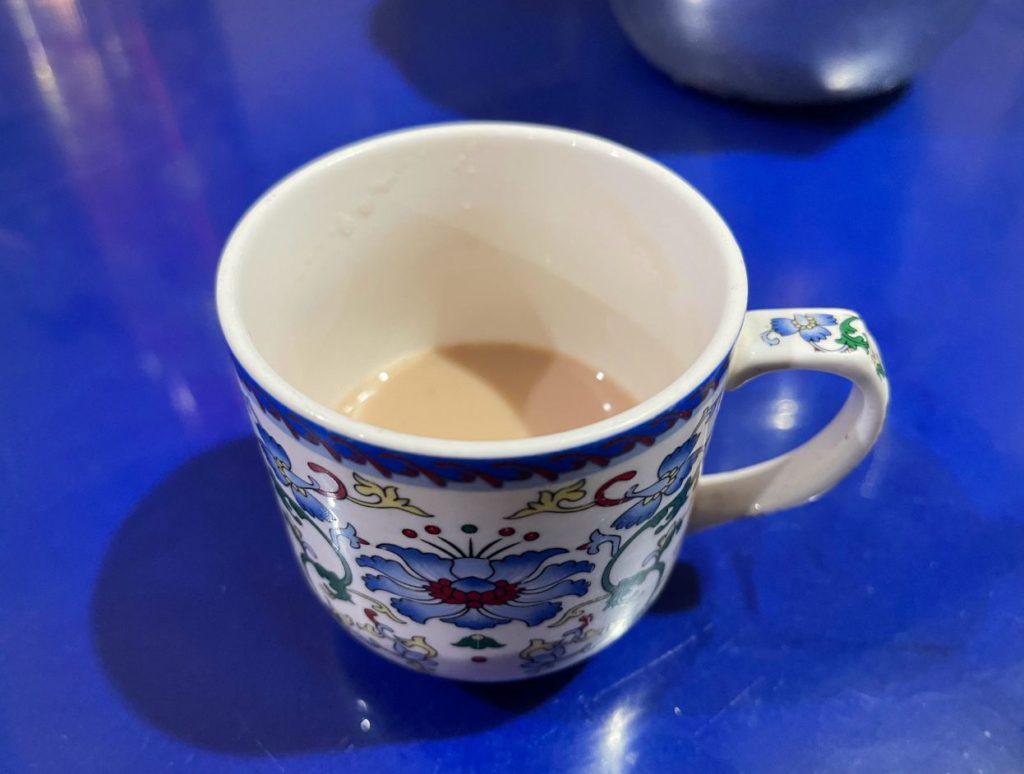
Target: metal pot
x=792 y=51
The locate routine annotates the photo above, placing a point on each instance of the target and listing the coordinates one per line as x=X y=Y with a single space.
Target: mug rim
x=251 y=363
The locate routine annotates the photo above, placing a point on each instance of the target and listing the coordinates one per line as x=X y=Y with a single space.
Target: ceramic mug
x=507 y=559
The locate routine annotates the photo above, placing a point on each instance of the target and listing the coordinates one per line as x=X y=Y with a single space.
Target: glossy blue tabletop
x=880 y=628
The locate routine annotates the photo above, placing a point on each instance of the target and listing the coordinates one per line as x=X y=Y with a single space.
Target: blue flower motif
x=544 y=657
x=811 y=327
x=672 y=473
x=413 y=650
x=348 y=532
x=474 y=592
x=597 y=539
x=281 y=468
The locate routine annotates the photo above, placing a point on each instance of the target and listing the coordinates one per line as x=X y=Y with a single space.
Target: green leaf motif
x=334 y=585
x=850 y=336
x=626 y=589
x=478 y=642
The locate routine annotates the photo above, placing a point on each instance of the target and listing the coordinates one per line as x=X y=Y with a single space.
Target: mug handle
x=831 y=340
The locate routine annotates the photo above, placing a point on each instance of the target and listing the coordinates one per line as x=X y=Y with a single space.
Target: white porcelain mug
x=502 y=560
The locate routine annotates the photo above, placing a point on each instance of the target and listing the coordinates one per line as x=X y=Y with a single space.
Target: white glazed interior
x=478 y=232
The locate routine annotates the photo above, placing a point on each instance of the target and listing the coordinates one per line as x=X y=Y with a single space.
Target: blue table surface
x=879 y=629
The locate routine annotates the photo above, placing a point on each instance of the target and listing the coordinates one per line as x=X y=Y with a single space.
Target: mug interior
x=480 y=232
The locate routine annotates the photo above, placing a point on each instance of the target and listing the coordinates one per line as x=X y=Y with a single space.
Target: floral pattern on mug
x=301 y=489
x=473 y=591
x=813 y=328
x=673 y=471
x=415 y=652
x=498 y=602
x=541 y=655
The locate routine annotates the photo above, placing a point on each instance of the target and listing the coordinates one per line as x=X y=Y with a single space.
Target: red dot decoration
x=506 y=531
x=433 y=530
x=531 y=536
x=479 y=659
x=409 y=533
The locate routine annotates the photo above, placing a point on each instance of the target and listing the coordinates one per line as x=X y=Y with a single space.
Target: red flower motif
x=502 y=592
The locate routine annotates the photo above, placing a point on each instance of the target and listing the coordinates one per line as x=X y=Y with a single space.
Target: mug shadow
x=681 y=591
x=203 y=623
x=566 y=62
